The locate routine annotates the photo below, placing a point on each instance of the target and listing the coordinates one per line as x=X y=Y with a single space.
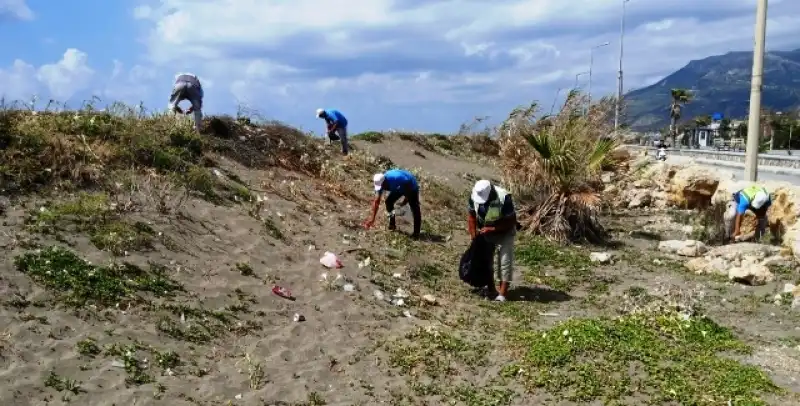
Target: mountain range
x=720 y=84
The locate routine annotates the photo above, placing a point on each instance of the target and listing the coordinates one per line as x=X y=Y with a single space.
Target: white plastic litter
x=379 y=295
x=365 y=263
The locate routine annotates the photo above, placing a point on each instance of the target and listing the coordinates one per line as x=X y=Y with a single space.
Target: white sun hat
x=481 y=191
x=761 y=198
x=320 y=112
x=377 y=181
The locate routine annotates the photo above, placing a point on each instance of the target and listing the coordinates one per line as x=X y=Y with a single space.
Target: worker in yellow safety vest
x=754 y=198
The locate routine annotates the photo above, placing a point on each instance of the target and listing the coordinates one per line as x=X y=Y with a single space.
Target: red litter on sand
x=282 y=292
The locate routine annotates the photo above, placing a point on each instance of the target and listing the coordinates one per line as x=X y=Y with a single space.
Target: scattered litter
x=398 y=302
x=397 y=275
x=238 y=397
x=548 y=314
x=349 y=287
x=379 y=295
x=365 y=263
x=183 y=318
x=282 y=292
x=330 y=260
x=311 y=248
x=117 y=364
x=323 y=277
x=658 y=262
x=407 y=314
x=299 y=317
x=218 y=174
x=401 y=293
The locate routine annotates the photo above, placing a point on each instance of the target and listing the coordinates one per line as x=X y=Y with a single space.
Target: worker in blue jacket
x=337 y=126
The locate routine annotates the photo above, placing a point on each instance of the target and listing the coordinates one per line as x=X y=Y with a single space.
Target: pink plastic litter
x=330 y=260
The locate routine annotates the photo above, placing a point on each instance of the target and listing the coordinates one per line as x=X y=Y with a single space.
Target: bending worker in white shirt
x=187 y=87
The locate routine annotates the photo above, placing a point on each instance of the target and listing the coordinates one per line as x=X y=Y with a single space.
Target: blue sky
x=403 y=64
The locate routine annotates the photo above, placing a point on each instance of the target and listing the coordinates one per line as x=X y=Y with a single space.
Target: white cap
x=481 y=191
x=761 y=198
x=320 y=112
x=377 y=180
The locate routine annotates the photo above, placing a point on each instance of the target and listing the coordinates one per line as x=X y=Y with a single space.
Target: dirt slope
x=203 y=327
x=201 y=243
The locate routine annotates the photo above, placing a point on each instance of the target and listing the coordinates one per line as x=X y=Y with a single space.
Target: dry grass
x=123 y=148
x=553 y=165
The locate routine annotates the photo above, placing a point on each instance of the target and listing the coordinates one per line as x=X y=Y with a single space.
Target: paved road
x=738 y=171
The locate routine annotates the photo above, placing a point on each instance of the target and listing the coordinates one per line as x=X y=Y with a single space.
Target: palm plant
x=553 y=164
x=679 y=98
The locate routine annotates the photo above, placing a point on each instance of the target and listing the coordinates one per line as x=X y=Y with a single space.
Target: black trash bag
x=333 y=136
x=476 y=263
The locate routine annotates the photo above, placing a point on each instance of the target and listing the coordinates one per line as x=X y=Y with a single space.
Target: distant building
x=703 y=137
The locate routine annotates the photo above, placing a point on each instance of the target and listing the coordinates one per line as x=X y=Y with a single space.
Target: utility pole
x=756 y=83
x=618 y=109
x=591 y=62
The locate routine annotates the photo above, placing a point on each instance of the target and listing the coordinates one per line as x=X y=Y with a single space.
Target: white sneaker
x=500 y=298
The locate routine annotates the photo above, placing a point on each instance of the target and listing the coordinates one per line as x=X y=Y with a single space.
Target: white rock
x=754 y=274
x=686 y=248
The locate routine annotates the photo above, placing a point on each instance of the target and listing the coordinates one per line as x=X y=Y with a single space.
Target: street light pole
x=618 y=109
x=756 y=83
x=591 y=62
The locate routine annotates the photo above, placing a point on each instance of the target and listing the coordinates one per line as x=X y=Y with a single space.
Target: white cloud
x=658 y=25
x=68 y=76
x=16 y=9
x=142 y=12
x=441 y=55
x=16 y=81
x=442 y=59
x=130 y=86
x=71 y=80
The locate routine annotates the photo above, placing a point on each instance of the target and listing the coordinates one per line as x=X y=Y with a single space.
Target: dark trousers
x=413 y=203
